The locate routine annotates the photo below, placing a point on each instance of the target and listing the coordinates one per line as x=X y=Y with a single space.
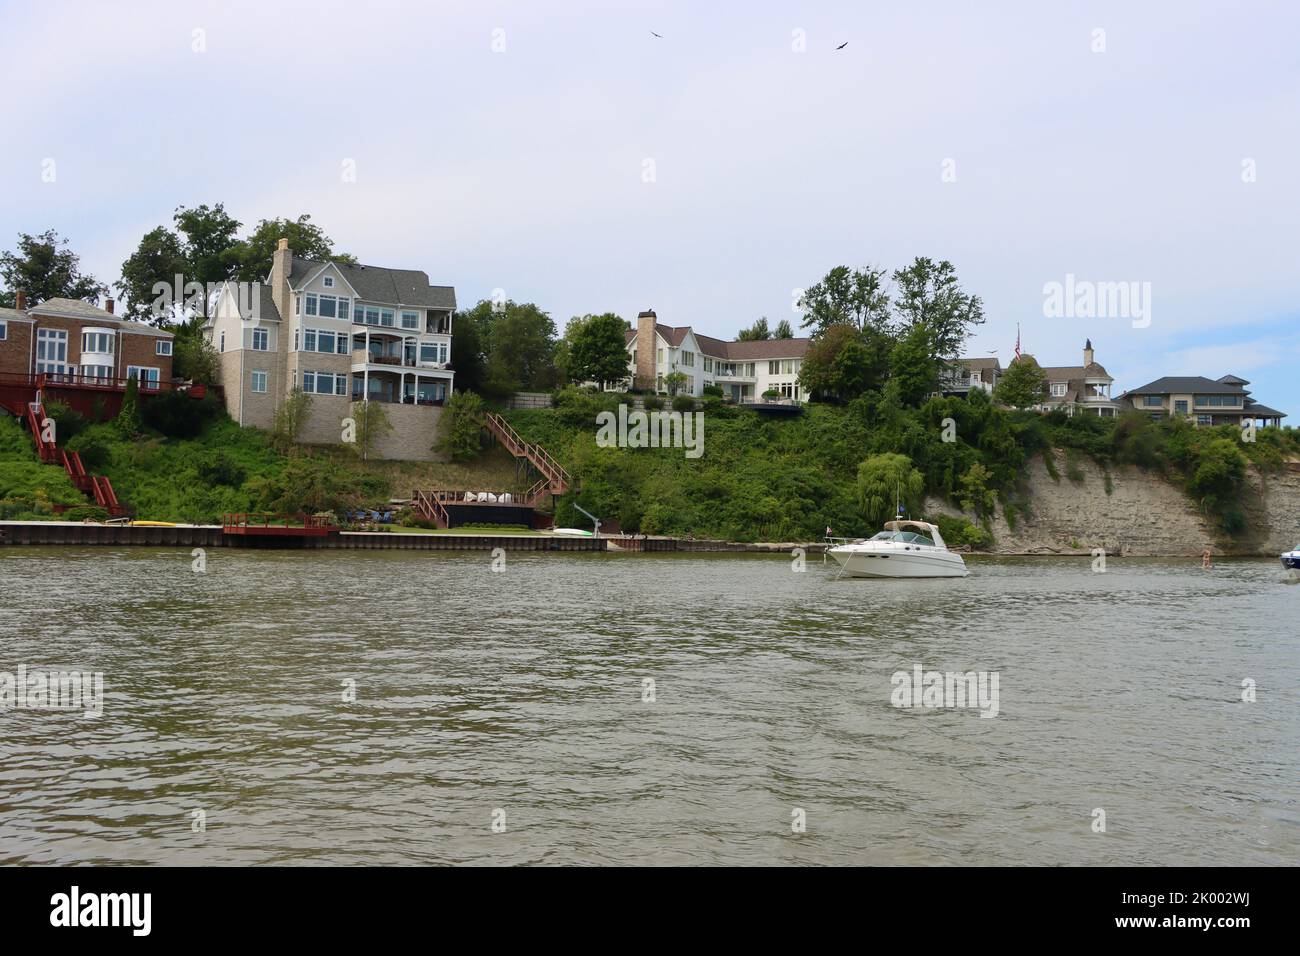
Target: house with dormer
x=341 y=332
x=743 y=370
x=1078 y=389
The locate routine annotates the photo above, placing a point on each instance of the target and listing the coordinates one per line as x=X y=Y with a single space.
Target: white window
x=344 y=341
x=259 y=381
x=4 y=331
x=328 y=306
x=324 y=383
x=309 y=340
x=311 y=303
x=688 y=359
x=97 y=371
x=410 y=320
x=222 y=346
x=143 y=374
x=297 y=304
x=325 y=342
x=99 y=342
x=261 y=340
x=329 y=282
x=51 y=351
x=163 y=347
x=1058 y=389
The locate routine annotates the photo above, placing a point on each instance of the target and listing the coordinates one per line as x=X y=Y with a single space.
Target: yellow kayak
x=153 y=524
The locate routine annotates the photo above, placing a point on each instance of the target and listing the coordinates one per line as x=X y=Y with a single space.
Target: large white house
x=744 y=370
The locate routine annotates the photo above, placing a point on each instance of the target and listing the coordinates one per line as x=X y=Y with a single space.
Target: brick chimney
x=646 y=348
x=1087 y=353
x=108 y=306
x=20 y=300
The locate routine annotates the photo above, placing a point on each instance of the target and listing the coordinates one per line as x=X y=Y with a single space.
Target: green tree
x=521 y=350
x=210 y=243
x=372 y=424
x=45 y=268
x=469 y=346
x=783 y=330
x=845 y=296
x=289 y=419
x=194 y=357
x=160 y=257
x=758 y=332
x=128 y=419
x=597 y=350
x=250 y=259
x=461 y=426
x=929 y=297
x=843 y=363
x=1022 y=385
x=977 y=493
x=913 y=368
x=884 y=481
x=674 y=382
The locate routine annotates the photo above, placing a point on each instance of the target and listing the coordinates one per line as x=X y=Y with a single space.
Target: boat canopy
x=931 y=531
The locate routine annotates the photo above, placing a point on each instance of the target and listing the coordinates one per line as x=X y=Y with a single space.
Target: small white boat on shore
x=1291 y=559
x=905 y=549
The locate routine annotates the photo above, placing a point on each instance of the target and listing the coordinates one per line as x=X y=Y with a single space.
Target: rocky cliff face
x=1142 y=515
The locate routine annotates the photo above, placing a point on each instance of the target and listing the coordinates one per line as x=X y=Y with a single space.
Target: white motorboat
x=905 y=549
x=1291 y=559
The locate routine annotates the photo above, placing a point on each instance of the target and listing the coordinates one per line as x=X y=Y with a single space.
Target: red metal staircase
x=97 y=486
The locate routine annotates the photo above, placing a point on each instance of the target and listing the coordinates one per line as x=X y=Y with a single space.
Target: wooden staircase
x=554 y=480
x=96 y=486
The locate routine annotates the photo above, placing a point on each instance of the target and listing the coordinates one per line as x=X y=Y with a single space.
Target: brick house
x=75 y=343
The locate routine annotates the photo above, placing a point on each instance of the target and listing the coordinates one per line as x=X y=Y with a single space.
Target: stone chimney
x=20 y=300
x=646 y=347
x=108 y=306
x=1087 y=353
x=282 y=296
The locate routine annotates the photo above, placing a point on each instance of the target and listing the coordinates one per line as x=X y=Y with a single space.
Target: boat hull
x=899 y=564
x=1291 y=560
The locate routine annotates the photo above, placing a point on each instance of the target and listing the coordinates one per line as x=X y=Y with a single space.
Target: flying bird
x=842 y=45
x=653 y=34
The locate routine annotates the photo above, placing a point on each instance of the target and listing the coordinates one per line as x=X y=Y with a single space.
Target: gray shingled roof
x=384 y=286
x=1184 y=384
x=756 y=350
x=77 y=309
x=1262 y=411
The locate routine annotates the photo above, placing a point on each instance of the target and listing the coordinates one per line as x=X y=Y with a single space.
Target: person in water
x=1206 y=563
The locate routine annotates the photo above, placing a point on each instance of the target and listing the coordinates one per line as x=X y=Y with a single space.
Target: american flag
x=1017 y=340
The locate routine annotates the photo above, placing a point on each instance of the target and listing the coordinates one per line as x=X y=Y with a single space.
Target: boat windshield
x=906 y=537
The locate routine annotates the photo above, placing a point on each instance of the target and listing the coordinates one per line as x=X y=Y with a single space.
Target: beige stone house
x=341 y=333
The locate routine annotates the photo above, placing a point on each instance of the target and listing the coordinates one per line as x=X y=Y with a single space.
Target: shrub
x=68 y=423
x=86 y=513
x=221 y=469
x=714 y=391
x=460 y=431
x=177 y=415
x=653 y=403
x=683 y=403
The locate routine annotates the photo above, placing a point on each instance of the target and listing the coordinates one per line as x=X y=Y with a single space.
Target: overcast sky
x=994 y=135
